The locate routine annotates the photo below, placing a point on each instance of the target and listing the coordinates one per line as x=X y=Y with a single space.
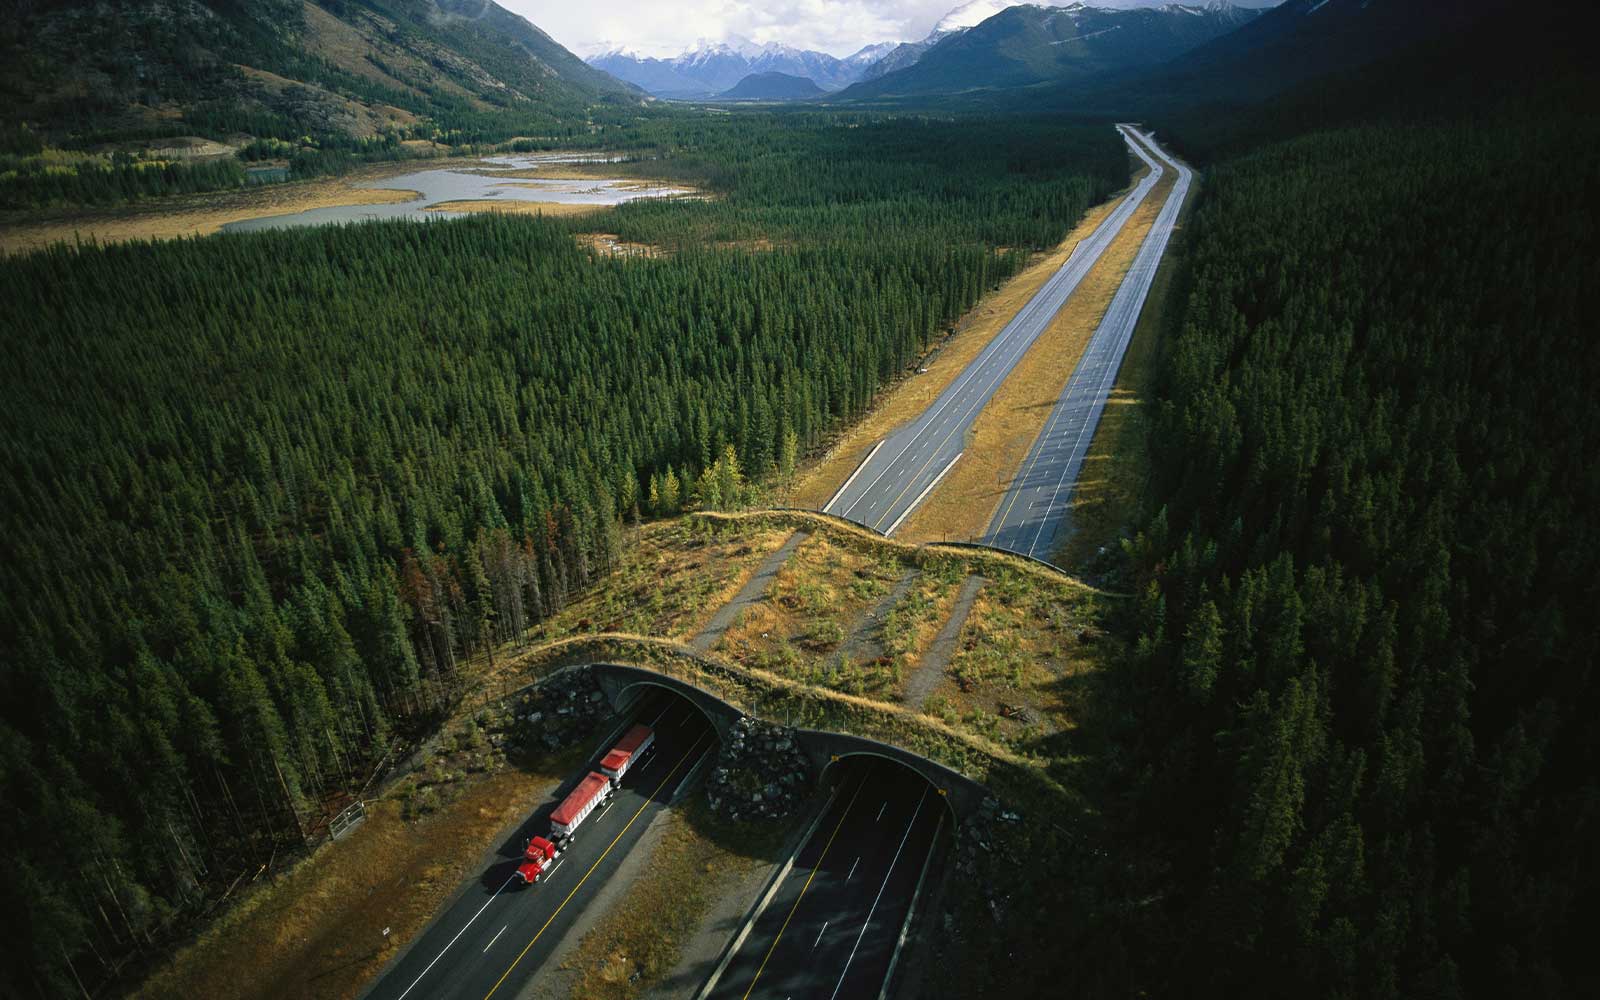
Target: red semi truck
x=594 y=791
x=536 y=858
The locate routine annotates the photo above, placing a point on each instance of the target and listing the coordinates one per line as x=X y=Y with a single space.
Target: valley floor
x=206 y=213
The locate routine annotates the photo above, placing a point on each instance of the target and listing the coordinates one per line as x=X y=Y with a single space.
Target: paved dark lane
x=830 y=930
x=1032 y=516
x=496 y=934
x=900 y=472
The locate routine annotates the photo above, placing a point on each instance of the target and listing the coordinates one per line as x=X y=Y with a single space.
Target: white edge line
x=1016 y=322
x=905 y=928
x=453 y=940
x=879 y=898
x=924 y=494
x=835 y=498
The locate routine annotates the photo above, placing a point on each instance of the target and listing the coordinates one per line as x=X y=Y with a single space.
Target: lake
x=486 y=180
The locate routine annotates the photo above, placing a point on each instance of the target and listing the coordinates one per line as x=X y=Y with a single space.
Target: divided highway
x=1033 y=513
x=497 y=934
x=830 y=930
x=905 y=466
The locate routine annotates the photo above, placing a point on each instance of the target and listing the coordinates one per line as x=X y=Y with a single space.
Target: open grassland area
x=850 y=614
x=673 y=576
x=964 y=501
x=903 y=401
x=846 y=618
x=699 y=858
x=1018 y=658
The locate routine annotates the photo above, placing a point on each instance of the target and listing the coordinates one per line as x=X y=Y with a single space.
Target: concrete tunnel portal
x=828 y=753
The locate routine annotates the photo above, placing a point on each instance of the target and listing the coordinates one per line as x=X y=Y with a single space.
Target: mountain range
x=709 y=69
x=982 y=44
x=1018 y=45
x=347 y=68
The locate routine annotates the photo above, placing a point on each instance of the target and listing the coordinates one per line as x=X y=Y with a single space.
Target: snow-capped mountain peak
x=870 y=54
x=972 y=14
x=711 y=67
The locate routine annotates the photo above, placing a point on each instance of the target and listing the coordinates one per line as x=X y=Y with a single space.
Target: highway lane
x=1032 y=516
x=900 y=472
x=496 y=934
x=830 y=930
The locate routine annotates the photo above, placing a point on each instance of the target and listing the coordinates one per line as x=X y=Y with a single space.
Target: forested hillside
x=85 y=72
x=105 y=103
x=265 y=492
x=1357 y=753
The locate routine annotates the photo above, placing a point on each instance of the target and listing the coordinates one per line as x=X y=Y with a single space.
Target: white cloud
x=668 y=27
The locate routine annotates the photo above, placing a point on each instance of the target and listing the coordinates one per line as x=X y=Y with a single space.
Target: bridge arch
x=826 y=749
x=623 y=685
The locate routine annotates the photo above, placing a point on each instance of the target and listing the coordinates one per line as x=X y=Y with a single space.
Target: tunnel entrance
x=883 y=772
x=838 y=918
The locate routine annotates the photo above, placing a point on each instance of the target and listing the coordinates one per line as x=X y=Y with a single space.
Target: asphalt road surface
x=830 y=931
x=496 y=934
x=900 y=472
x=1032 y=516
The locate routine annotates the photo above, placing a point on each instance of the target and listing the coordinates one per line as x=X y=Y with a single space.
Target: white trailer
x=591 y=792
x=628 y=750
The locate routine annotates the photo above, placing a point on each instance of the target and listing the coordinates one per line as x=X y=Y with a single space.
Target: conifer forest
x=380 y=511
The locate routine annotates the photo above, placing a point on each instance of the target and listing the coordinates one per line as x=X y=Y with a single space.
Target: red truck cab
x=539 y=854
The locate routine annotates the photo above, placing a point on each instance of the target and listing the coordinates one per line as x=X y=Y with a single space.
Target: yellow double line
x=648 y=799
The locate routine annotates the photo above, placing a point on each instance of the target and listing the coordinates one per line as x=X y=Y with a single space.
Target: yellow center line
x=602 y=857
x=814 y=869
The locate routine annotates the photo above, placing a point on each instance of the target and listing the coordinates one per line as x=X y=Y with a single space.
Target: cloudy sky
x=667 y=27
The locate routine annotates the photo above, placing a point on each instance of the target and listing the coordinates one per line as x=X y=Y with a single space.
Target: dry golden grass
x=673 y=577
x=816 y=483
x=1018 y=650
x=820 y=596
x=195 y=214
x=318 y=932
x=973 y=752
x=964 y=501
x=554 y=209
